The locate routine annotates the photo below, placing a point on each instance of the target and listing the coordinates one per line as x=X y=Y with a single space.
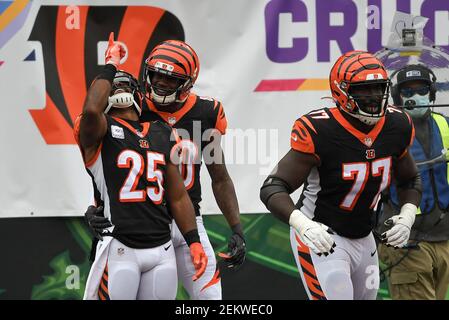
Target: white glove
x=402 y=224
x=313 y=234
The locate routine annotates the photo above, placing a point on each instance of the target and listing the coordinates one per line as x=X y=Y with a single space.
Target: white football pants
x=350 y=273
x=139 y=274
x=208 y=286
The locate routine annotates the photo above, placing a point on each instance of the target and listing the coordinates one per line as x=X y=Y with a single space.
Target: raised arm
x=93 y=125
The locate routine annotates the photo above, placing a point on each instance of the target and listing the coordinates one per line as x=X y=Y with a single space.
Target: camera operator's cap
x=414 y=72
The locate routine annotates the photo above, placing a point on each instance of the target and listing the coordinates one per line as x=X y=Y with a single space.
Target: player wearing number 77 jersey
x=344 y=157
x=131 y=167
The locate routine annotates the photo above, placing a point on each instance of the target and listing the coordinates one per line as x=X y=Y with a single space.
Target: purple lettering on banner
x=428 y=10
x=300 y=45
x=375 y=34
x=342 y=34
x=403 y=6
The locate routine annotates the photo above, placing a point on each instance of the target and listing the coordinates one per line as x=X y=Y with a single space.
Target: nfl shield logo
x=368 y=141
x=171 y=120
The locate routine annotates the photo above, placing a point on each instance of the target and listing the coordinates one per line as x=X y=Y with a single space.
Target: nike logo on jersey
x=167 y=247
x=295 y=138
x=117 y=132
x=373 y=253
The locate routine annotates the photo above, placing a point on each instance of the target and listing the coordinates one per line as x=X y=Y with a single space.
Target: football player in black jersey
x=170 y=72
x=344 y=157
x=131 y=167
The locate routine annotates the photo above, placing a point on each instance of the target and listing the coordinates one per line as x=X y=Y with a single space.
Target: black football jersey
x=193 y=122
x=128 y=172
x=354 y=168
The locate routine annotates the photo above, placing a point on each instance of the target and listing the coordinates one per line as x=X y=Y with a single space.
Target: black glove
x=96 y=221
x=236 y=254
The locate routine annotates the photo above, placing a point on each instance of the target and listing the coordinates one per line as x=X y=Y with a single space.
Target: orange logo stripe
x=215 y=279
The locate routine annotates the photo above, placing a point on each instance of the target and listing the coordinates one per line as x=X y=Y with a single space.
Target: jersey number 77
x=359 y=172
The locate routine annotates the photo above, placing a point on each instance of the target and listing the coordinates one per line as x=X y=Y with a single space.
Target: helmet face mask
x=360 y=86
x=164 y=88
x=370 y=99
x=124 y=93
x=170 y=72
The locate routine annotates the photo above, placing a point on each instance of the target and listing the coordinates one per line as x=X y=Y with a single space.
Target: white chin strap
x=122 y=100
x=163 y=99
x=365 y=117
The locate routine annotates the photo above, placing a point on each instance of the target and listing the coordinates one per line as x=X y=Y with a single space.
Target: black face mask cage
x=371 y=104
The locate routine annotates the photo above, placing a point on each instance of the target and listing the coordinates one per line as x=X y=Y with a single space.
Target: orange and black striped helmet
x=176 y=61
x=360 y=85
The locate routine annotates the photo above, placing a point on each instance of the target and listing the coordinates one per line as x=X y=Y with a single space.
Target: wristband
x=108 y=73
x=191 y=237
x=238 y=230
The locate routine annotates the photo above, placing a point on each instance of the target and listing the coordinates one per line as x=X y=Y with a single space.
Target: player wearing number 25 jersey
x=344 y=157
x=131 y=166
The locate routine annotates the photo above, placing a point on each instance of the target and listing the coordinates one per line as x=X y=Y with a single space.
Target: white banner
x=267 y=61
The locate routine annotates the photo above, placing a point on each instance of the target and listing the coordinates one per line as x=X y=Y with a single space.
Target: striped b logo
x=71 y=55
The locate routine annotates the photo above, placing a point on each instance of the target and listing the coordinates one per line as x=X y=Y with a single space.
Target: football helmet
x=125 y=92
x=360 y=86
x=175 y=62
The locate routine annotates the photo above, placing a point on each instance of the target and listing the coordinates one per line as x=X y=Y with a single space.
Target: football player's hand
x=199 y=259
x=318 y=239
x=313 y=234
x=236 y=254
x=96 y=221
x=115 y=52
x=401 y=224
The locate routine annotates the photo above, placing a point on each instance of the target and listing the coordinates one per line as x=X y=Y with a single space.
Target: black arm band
x=238 y=229
x=271 y=186
x=108 y=73
x=191 y=237
x=414 y=183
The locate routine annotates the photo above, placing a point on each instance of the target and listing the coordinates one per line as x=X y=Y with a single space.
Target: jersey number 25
x=134 y=161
